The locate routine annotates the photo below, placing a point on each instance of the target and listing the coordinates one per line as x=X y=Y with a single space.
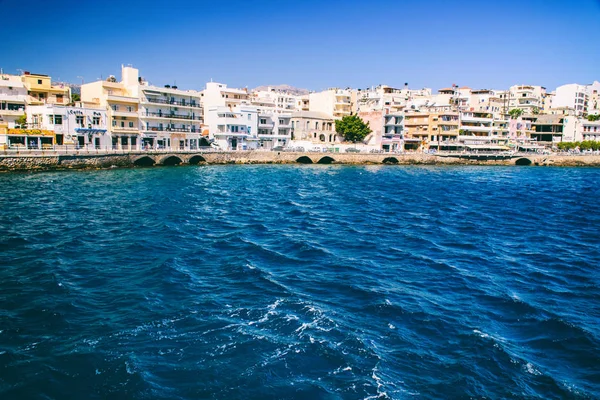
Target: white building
x=233 y=128
x=77 y=126
x=278 y=101
x=274 y=129
x=573 y=96
x=169 y=117
x=334 y=102
x=13 y=98
x=589 y=130
x=528 y=98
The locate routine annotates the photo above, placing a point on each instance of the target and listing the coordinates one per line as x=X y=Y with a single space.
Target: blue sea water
x=308 y=282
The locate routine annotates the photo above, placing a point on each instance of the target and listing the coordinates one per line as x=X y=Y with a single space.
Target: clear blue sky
x=308 y=43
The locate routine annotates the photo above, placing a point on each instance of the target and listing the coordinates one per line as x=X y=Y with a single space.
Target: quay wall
x=53 y=161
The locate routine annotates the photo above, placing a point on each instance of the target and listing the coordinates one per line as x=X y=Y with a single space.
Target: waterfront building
x=274 y=129
x=169 y=117
x=334 y=102
x=74 y=126
x=314 y=127
x=41 y=90
x=443 y=128
x=392 y=137
x=233 y=127
x=416 y=130
x=528 y=98
x=589 y=130
x=121 y=102
x=481 y=131
x=573 y=96
x=551 y=129
x=13 y=99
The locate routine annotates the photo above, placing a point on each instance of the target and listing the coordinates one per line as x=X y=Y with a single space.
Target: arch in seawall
x=144 y=161
x=170 y=160
x=390 y=160
x=523 y=161
x=326 y=160
x=304 y=160
x=196 y=159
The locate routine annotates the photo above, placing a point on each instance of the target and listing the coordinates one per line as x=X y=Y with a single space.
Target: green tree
x=22 y=120
x=593 y=117
x=352 y=128
x=75 y=97
x=535 y=111
x=515 y=113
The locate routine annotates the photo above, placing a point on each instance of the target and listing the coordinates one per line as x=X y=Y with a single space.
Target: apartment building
x=278 y=101
x=170 y=117
x=333 y=102
x=528 y=98
x=416 y=130
x=13 y=99
x=233 y=127
x=274 y=129
x=122 y=104
x=392 y=137
x=573 y=96
x=590 y=130
x=41 y=91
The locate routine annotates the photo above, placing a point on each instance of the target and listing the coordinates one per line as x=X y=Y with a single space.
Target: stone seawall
x=33 y=162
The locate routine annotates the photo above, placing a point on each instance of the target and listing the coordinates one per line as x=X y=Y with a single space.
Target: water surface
x=316 y=282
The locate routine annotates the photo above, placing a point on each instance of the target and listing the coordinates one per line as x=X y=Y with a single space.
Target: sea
x=300 y=282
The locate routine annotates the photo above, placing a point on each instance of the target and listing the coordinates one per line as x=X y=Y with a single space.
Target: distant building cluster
x=131 y=114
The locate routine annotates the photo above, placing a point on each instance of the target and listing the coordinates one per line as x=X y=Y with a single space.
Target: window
x=115 y=107
x=39 y=81
x=55 y=119
x=59 y=98
x=249 y=116
x=129 y=109
x=263 y=121
x=96 y=121
x=114 y=123
x=131 y=124
x=79 y=120
x=122 y=124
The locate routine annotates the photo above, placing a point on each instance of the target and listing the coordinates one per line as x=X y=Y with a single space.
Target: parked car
x=278 y=148
x=352 y=150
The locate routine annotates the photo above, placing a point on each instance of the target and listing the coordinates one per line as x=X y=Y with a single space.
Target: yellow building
x=122 y=105
x=41 y=91
x=416 y=130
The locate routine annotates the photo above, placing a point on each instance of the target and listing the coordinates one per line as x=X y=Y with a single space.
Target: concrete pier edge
x=56 y=161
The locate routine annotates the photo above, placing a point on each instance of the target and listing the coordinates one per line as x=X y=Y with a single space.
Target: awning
x=531 y=147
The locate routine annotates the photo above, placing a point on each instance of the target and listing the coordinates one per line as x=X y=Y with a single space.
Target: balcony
x=122 y=99
x=172 y=116
x=131 y=114
x=231 y=133
x=467 y=118
x=167 y=129
x=273 y=136
x=124 y=129
x=171 y=102
x=476 y=128
x=268 y=125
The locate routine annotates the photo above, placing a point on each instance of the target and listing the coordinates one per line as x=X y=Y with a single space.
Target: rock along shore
x=96 y=160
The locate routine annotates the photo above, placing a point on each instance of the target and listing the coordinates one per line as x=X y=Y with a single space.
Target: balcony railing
x=173 y=102
x=167 y=129
x=173 y=115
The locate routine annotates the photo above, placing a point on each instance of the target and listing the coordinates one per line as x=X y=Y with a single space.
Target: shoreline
x=51 y=161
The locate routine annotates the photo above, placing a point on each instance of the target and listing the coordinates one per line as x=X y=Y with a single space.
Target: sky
x=312 y=44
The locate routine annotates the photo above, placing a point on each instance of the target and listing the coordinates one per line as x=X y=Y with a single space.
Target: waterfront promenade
x=91 y=158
